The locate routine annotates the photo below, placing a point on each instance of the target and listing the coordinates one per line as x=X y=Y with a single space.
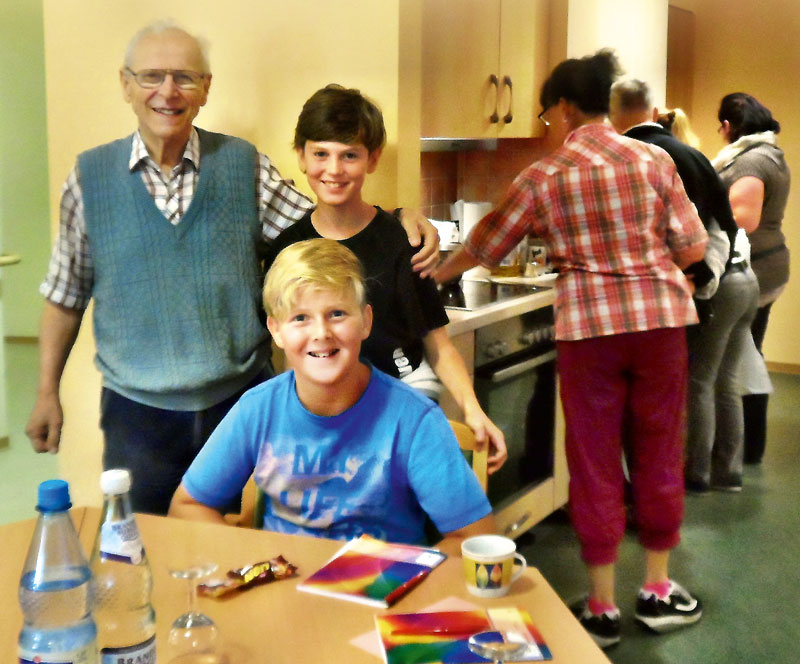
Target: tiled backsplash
x=438 y=183
x=477 y=175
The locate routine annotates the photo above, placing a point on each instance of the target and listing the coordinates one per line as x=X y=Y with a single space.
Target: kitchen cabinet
x=483 y=63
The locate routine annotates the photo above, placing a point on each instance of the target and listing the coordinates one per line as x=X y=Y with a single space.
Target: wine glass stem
x=191 y=595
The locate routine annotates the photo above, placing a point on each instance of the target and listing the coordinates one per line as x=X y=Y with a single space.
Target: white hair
x=158 y=27
x=632 y=95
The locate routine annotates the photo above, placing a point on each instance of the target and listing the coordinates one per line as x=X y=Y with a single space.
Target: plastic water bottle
x=123 y=581
x=55 y=589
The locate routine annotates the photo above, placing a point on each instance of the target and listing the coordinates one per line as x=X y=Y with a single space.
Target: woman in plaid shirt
x=619 y=228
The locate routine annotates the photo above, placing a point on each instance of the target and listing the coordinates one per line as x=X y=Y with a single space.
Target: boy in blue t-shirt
x=338 y=139
x=338 y=447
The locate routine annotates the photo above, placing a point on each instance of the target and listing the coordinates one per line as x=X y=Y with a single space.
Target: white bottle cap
x=115 y=481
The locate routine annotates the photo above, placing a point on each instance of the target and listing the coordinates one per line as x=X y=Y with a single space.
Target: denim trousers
x=715 y=433
x=157 y=445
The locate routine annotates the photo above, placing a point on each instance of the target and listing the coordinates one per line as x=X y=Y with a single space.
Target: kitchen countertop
x=469 y=321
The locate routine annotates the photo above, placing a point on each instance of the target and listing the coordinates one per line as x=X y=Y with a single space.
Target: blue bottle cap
x=53 y=496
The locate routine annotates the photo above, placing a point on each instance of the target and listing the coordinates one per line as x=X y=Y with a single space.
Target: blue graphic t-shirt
x=377 y=468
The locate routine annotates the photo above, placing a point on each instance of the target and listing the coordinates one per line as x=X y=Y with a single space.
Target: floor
x=738 y=553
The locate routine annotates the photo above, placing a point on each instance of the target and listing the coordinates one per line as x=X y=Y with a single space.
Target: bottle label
x=86 y=655
x=142 y=653
x=120 y=541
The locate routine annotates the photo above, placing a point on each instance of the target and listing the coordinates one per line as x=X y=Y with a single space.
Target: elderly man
x=726 y=292
x=165 y=230
x=633 y=114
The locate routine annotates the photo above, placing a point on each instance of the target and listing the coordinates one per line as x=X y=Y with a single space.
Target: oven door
x=519 y=395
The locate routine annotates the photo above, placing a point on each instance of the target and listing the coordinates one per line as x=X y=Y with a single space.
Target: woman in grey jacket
x=754 y=169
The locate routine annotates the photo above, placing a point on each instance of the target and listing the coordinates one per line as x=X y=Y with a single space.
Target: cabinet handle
x=509 y=116
x=9 y=259
x=514 y=527
x=494 y=118
x=515 y=370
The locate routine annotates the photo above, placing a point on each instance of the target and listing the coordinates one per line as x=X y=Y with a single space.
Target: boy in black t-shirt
x=338 y=140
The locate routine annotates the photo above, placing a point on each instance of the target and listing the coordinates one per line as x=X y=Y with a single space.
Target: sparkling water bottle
x=55 y=589
x=123 y=582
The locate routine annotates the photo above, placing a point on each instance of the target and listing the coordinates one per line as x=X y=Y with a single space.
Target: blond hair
x=678 y=123
x=316 y=264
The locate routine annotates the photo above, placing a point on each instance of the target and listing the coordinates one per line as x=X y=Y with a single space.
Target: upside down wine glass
x=495 y=645
x=194 y=638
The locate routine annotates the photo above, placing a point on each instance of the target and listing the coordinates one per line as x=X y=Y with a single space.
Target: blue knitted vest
x=175 y=307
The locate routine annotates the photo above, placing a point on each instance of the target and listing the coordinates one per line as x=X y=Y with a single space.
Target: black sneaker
x=730 y=484
x=677 y=610
x=604 y=629
x=727 y=488
x=697 y=487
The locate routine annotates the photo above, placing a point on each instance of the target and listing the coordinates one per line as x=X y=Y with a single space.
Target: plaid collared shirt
x=611 y=211
x=70 y=276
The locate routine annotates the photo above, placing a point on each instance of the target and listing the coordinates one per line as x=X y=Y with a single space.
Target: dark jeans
x=157 y=445
x=755 y=405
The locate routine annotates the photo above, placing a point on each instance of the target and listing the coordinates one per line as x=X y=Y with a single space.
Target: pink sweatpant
x=629 y=387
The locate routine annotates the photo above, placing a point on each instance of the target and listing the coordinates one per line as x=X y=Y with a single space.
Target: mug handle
x=523 y=565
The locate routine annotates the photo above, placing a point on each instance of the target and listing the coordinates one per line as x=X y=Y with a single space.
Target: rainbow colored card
x=370 y=571
x=442 y=637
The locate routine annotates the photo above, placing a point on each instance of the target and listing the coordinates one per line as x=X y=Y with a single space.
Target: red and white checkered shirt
x=70 y=276
x=611 y=211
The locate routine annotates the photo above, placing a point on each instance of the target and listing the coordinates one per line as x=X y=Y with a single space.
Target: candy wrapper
x=248 y=577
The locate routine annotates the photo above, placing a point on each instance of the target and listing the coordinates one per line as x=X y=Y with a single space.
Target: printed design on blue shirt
x=312 y=487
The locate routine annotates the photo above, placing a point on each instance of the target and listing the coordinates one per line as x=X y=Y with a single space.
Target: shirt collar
x=646 y=128
x=139 y=151
x=591 y=128
x=649 y=123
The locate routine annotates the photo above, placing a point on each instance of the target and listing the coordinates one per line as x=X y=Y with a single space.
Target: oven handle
x=517 y=369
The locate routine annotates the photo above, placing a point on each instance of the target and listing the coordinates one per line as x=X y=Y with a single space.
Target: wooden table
x=275 y=623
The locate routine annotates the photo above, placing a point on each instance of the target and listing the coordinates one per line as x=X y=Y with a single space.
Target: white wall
x=24 y=197
x=24 y=215
x=635 y=29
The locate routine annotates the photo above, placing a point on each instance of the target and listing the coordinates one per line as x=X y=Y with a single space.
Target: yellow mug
x=489 y=564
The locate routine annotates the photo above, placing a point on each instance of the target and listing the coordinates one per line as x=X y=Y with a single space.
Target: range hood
x=456 y=144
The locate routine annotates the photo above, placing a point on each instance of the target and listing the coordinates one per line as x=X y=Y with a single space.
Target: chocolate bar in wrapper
x=250 y=576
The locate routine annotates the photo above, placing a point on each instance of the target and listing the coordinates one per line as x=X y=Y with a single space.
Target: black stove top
x=468 y=295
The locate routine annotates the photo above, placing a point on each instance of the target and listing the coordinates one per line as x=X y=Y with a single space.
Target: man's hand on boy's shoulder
x=420 y=230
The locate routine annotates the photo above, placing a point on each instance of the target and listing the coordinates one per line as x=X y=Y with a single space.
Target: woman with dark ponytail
x=619 y=227
x=754 y=169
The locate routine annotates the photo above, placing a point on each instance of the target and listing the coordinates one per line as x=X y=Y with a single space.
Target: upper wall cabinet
x=483 y=62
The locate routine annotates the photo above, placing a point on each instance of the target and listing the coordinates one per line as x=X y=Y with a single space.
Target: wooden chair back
x=466 y=441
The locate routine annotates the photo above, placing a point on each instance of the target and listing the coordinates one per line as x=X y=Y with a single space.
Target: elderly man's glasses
x=153 y=78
